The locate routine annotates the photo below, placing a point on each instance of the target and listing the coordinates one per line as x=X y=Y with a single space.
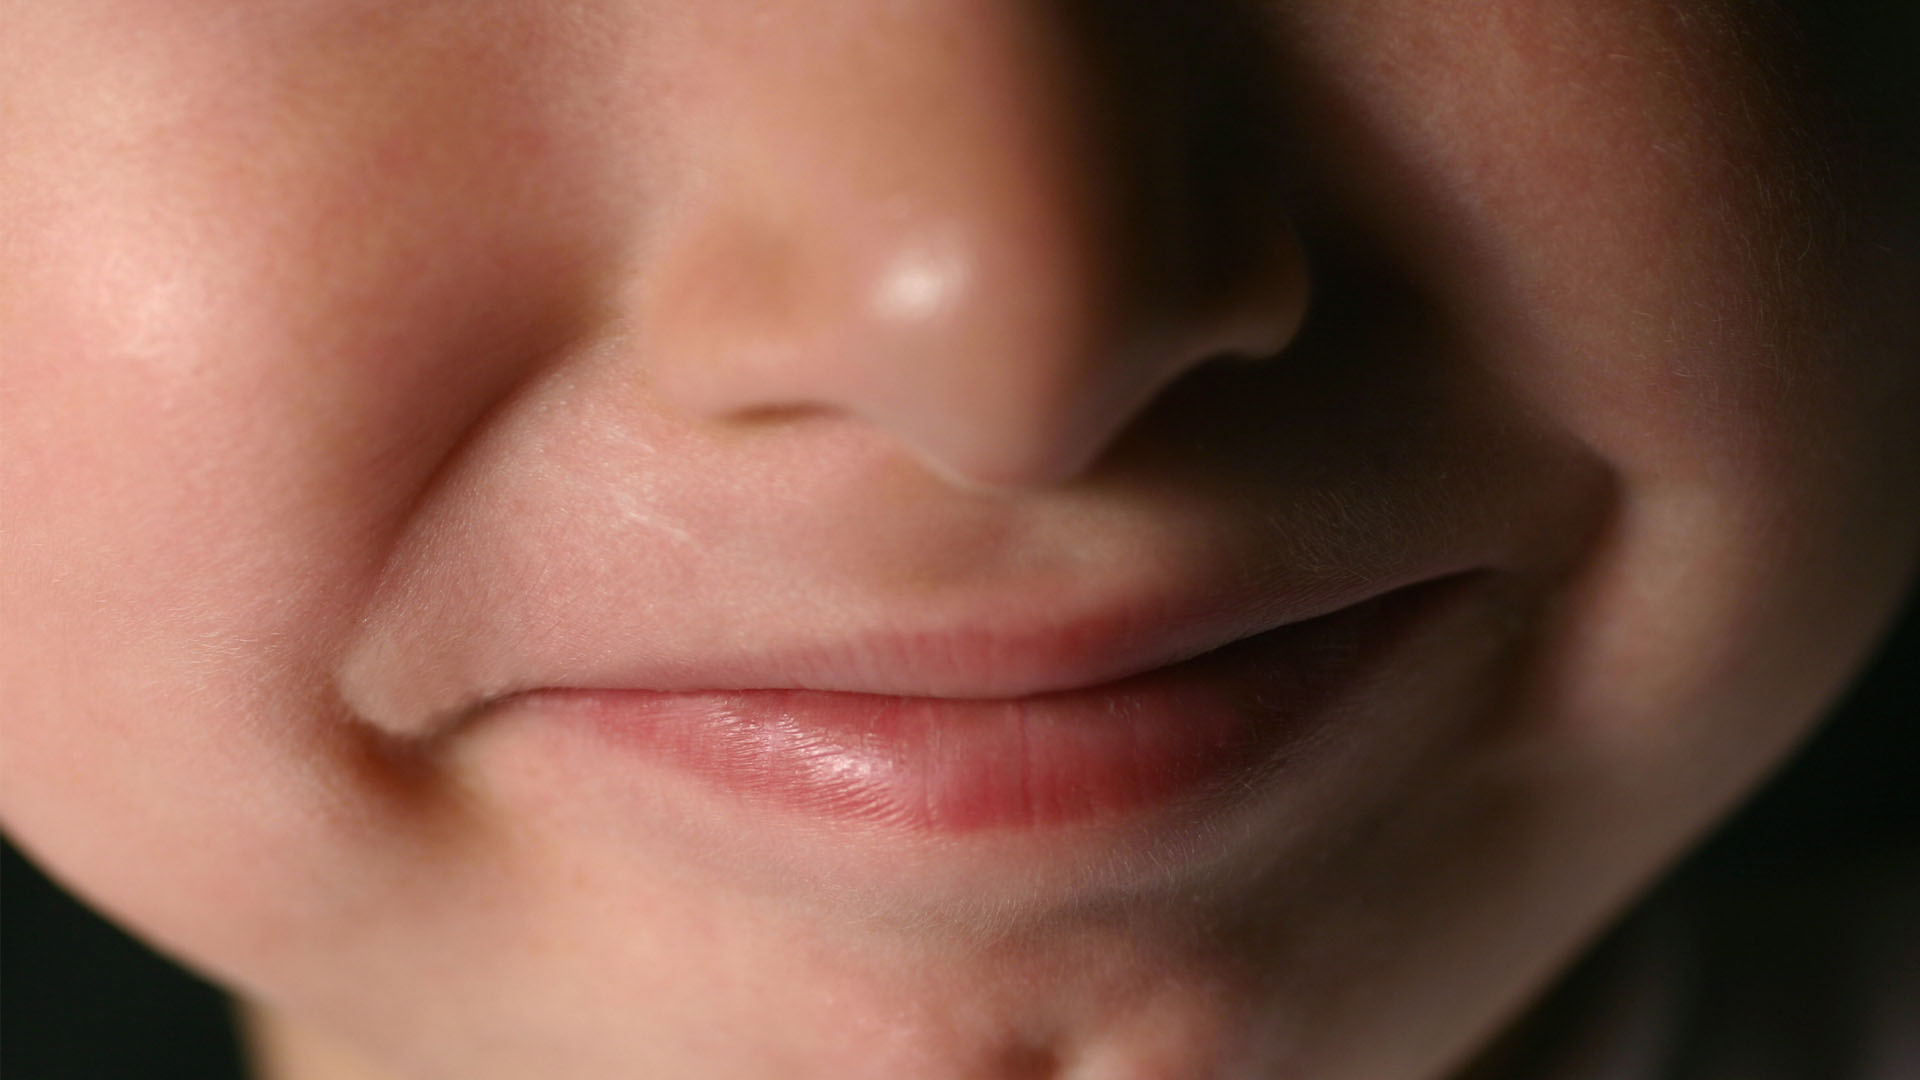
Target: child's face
x=380 y=379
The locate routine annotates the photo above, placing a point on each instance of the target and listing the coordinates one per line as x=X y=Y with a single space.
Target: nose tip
x=945 y=241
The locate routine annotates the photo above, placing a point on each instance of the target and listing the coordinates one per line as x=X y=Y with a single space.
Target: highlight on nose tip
x=925 y=279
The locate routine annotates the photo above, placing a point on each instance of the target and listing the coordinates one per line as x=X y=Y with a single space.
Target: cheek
x=219 y=405
x=249 y=313
x=1616 y=201
x=1617 y=207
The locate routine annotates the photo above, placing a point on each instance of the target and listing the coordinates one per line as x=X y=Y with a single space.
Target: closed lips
x=1188 y=731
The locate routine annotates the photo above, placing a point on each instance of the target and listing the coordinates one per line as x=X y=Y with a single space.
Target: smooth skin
x=357 y=355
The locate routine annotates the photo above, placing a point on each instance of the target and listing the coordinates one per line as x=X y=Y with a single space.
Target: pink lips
x=1181 y=733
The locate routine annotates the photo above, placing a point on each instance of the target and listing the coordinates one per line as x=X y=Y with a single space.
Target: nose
x=994 y=230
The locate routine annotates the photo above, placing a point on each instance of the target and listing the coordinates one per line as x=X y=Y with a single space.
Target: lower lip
x=1175 y=736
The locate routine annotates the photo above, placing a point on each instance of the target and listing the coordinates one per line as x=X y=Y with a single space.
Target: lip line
x=1185 y=732
x=1095 y=678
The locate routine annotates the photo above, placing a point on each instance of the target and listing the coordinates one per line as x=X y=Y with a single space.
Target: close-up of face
x=1005 y=538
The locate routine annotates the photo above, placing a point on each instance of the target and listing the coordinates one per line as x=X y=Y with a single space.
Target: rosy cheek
x=262 y=321
x=251 y=329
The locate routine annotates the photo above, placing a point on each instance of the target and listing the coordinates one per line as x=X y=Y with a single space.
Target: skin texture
x=365 y=359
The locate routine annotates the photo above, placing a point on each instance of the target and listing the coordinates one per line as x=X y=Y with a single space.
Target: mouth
x=1201 y=729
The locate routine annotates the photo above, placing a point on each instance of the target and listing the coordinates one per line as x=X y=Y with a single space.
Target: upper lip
x=956 y=659
x=1002 y=660
x=940 y=602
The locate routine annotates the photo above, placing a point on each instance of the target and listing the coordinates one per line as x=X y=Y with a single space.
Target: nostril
x=998 y=359
x=1065 y=239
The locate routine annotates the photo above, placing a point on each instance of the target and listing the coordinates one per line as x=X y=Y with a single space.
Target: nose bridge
x=919 y=216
